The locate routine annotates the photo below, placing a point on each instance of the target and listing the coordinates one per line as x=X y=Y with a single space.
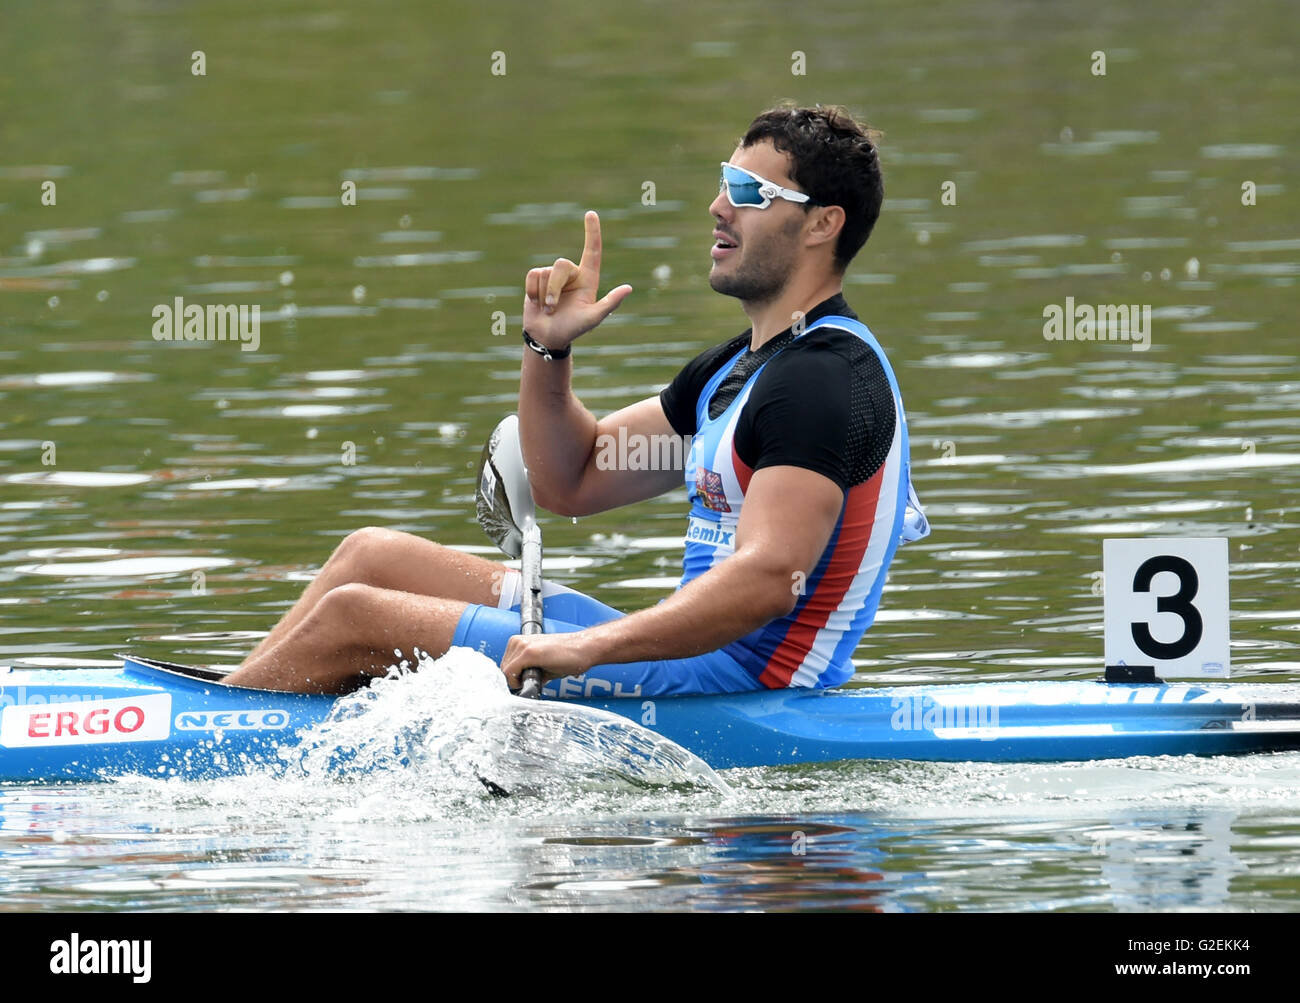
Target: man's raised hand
x=560 y=302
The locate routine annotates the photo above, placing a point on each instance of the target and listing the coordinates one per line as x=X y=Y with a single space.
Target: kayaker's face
x=767 y=240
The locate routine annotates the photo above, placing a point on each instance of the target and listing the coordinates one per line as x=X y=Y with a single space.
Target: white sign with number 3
x=1167 y=605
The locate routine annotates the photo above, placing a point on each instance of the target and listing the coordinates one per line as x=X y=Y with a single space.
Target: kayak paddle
x=504 y=504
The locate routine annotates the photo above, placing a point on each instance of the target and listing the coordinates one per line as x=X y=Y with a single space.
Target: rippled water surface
x=172 y=499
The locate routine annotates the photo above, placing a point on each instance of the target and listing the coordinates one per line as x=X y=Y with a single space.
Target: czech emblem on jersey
x=709 y=485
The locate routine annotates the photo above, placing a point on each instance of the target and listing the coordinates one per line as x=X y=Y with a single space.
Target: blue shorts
x=489 y=628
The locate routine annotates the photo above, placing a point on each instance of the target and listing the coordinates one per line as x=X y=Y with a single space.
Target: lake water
x=173 y=499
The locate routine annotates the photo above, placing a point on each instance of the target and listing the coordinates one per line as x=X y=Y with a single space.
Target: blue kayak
x=158 y=719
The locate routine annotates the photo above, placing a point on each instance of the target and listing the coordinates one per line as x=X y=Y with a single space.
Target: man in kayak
x=796 y=469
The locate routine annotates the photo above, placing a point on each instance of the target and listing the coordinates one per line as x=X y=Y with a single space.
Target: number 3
x=1180 y=603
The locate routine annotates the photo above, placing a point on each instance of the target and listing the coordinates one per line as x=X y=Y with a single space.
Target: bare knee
x=369 y=554
x=366 y=540
x=346 y=605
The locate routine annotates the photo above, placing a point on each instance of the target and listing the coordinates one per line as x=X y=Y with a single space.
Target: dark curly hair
x=835 y=162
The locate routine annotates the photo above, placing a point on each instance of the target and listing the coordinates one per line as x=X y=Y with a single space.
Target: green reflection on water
x=190 y=185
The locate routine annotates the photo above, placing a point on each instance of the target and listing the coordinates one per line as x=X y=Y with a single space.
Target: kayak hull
x=978 y=722
x=89 y=724
x=70 y=725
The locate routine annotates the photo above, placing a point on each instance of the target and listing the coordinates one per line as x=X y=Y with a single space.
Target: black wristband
x=549 y=354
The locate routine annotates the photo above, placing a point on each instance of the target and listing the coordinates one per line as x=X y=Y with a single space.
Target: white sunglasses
x=746 y=190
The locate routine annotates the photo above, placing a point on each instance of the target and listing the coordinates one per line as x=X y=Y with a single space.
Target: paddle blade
x=504 y=501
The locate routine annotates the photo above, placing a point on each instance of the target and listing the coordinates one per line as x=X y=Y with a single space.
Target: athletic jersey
x=824 y=400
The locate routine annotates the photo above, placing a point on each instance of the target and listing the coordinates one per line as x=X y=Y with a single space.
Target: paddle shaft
x=530 y=601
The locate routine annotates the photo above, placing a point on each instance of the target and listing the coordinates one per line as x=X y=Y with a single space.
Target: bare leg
x=399 y=562
x=349 y=635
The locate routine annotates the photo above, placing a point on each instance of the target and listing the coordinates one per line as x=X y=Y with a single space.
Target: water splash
x=452 y=724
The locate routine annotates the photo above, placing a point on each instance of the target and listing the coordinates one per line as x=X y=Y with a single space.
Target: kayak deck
x=160 y=720
x=1037 y=721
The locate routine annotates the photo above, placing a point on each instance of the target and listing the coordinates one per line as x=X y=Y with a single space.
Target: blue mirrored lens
x=742 y=187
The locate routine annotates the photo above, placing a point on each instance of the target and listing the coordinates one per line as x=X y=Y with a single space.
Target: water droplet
x=358 y=294
x=52 y=302
x=1116 y=257
x=923 y=236
x=1146 y=276
x=404 y=222
x=286 y=278
x=1165 y=274
x=1067 y=135
x=1192 y=268
x=312 y=433
x=662 y=274
x=102 y=295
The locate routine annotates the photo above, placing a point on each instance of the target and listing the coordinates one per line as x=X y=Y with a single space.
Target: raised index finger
x=591 y=245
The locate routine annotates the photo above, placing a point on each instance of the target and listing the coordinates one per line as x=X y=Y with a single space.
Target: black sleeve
x=679 y=397
x=825 y=406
